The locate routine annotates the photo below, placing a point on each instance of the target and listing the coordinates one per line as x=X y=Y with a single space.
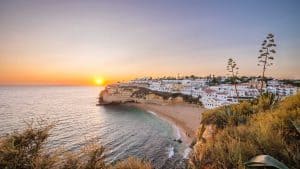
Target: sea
x=123 y=130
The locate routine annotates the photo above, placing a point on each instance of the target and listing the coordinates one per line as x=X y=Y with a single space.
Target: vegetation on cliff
x=142 y=92
x=26 y=150
x=242 y=131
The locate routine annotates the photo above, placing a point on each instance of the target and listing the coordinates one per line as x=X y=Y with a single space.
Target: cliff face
x=108 y=96
x=123 y=94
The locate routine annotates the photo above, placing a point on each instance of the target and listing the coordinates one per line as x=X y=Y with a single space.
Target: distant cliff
x=115 y=94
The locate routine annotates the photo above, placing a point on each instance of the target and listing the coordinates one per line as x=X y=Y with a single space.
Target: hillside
x=231 y=135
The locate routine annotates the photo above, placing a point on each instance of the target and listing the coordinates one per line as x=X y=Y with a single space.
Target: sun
x=99 y=81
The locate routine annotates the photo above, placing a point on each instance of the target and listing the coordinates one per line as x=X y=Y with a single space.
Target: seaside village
x=209 y=94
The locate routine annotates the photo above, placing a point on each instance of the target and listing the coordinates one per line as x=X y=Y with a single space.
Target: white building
x=212 y=96
x=282 y=90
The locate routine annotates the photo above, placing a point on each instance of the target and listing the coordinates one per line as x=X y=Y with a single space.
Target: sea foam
x=186 y=153
x=177 y=132
x=151 y=112
x=170 y=152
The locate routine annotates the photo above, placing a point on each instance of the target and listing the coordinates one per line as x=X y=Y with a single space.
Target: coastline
x=185 y=118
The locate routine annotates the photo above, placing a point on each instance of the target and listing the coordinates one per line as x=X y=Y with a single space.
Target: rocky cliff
x=115 y=94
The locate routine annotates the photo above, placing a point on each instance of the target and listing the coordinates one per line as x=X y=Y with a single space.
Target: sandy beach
x=186 y=116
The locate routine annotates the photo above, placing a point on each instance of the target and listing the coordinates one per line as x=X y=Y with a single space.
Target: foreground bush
x=239 y=114
x=248 y=129
x=26 y=150
x=131 y=163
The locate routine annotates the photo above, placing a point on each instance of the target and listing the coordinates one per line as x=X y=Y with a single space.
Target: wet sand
x=186 y=116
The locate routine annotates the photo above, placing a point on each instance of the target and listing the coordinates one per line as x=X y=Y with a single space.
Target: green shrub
x=239 y=114
x=232 y=115
x=265 y=102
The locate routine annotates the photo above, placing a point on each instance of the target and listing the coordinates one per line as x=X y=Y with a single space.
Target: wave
x=170 y=152
x=186 y=153
x=177 y=132
x=151 y=112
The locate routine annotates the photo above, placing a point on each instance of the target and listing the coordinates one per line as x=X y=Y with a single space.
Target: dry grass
x=249 y=129
x=132 y=163
x=26 y=150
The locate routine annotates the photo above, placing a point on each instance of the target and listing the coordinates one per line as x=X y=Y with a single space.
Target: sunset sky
x=75 y=42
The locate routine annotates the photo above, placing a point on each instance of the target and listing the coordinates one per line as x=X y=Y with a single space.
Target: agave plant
x=267 y=101
x=233 y=70
x=266 y=56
